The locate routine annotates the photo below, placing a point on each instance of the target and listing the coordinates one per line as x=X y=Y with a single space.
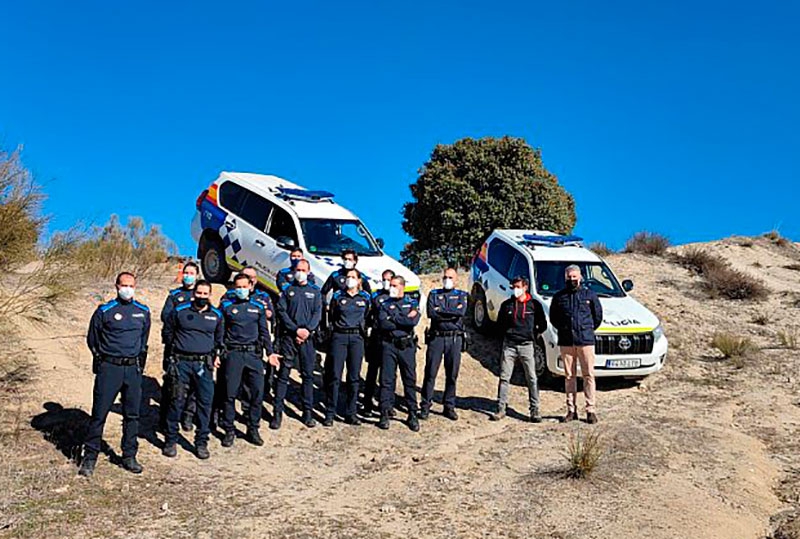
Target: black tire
x=480 y=312
x=212 y=260
x=539 y=354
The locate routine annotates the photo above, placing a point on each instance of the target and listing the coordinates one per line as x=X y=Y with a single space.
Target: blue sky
x=676 y=117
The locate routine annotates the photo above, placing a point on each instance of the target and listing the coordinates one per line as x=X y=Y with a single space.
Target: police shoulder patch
x=216 y=311
x=142 y=306
x=183 y=307
x=175 y=291
x=110 y=305
x=337 y=294
x=225 y=303
x=256 y=303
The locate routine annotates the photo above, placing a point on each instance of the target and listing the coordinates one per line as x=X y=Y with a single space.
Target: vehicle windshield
x=331 y=236
x=596 y=276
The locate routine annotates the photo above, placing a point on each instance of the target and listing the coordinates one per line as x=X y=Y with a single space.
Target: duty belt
x=447 y=333
x=121 y=361
x=243 y=347
x=193 y=357
x=347 y=331
x=389 y=338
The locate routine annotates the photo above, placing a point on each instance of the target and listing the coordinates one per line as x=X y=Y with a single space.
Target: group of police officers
x=235 y=337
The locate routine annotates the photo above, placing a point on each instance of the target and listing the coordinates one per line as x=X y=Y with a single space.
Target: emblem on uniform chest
x=234 y=311
x=118 y=316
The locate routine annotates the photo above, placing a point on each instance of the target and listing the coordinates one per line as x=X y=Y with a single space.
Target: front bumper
x=649 y=363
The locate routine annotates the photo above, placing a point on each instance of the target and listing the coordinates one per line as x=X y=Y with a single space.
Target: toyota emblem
x=624 y=344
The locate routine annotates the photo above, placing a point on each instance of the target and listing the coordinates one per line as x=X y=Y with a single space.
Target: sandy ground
x=707 y=448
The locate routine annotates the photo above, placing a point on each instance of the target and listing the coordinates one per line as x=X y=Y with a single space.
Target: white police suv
x=630 y=342
x=252 y=219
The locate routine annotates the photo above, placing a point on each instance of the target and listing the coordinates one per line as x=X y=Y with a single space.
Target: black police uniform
x=374 y=347
x=117 y=337
x=300 y=306
x=348 y=325
x=337 y=281
x=446 y=309
x=175 y=297
x=399 y=349
x=256 y=295
x=193 y=338
x=286 y=277
x=246 y=338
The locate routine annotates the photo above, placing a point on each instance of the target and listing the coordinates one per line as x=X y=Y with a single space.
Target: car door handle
x=260 y=243
x=230 y=225
x=502 y=287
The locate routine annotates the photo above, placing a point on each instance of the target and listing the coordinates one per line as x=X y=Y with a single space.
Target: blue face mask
x=242 y=293
x=189 y=280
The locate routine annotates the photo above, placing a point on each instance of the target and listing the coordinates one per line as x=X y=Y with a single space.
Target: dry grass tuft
x=721 y=280
x=762 y=319
x=733 y=346
x=647 y=243
x=601 y=249
x=583 y=453
x=789 y=338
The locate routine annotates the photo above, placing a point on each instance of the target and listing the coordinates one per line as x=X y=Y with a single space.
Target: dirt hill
x=707 y=448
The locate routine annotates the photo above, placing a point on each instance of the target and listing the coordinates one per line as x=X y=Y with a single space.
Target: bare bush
x=20 y=205
x=699 y=260
x=762 y=319
x=601 y=249
x=583 y=453
x=733 y=346
x=647 y=243
x=729 y=283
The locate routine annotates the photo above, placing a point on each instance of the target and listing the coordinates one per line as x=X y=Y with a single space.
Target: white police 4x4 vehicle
x=252 y=219
x=630 y=342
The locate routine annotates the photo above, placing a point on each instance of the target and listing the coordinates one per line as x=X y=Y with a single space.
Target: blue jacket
x=246 y=323
x=119 y=329
x=286 y=277
x=176 y=297
x=338 y=281
x=299 y=307
x=446 y=309
x=349 y=312
x=189 y=331
x=576 y=314
x=258 y=295
x=394 y=319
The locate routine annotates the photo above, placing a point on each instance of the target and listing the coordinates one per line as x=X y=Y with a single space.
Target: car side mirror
x=627 y=285
x=380 y=242
x=285 y=242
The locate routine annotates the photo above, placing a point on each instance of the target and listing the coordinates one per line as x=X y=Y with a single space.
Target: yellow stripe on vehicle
x=261 y=280
x=627 y=329
x=412 y=289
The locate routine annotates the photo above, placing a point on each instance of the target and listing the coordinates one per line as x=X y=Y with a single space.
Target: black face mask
x=201 y=303
x=572 y=285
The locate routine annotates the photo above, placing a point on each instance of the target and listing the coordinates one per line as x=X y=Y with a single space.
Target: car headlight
x=658 y=333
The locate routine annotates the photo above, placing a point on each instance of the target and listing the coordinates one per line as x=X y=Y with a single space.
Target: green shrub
x=647 y=243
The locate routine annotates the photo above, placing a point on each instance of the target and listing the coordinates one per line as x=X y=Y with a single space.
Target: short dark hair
x=306 y=261
x=349 y=251
x=295 y=250
x=191 y=264
x=448 y=268
x=241 y=276
x=520 y=279
x=122 y=274
x=202 y=282
x=353 y=270
x=388 y=272
x=401 y=279
x=250 y=268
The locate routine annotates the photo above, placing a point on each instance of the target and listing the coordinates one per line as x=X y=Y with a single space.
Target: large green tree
x=469 y=188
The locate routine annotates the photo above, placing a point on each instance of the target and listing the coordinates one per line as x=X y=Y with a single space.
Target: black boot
x=170 y=450
x=367 y=409
x=88 y=465
x=254 y=437
x=277 y=419
x=352 y=420
x=424 y=412
x=413 y=422
x=308 y=420
x=202 y=452
x=187 y=423
x=229 y=438
x=328 y=421
x=384 y=422
x=450 y=413
x=132 y=465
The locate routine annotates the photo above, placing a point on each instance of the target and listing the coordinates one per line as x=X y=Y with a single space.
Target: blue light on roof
x=305 y=194
x=556 y=240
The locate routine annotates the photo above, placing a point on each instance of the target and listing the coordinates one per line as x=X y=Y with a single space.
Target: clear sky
x=676 y=117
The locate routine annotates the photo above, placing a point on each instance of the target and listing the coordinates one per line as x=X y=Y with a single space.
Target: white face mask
x=448 y=283
x=349 y=264
x=387 y=285
x=125 y=293
x=394 y=292
x=351 y=283
x=300 y=276
x=519 y=292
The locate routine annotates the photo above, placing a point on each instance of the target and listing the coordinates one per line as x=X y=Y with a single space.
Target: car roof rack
x=552 y=241
x=304 y=195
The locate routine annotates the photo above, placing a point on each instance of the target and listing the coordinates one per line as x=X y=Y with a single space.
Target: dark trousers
x=111 y=380
x=449 y=348
x=189 y=407
x=247 y=367
x=305 y=356
x=192 y=375
x=344 y=349
x=374 y=360
x=394 y=357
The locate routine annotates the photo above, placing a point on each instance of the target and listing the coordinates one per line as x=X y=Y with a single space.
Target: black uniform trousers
x=374 y=360
x=242 y=366
x=449 y=347
x=345 y=348
x=304 y=356
x=111 y=380
x=192 y=376
x=394 y=356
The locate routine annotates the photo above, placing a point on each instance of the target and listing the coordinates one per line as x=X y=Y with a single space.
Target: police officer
x=286 y=275
x=299 y=314
x=175 y=297
x=246 y=338
x=256 y=294
x=193 y=337
x=338 y=279
x=117 y=338
x=348 y=312
x=375 y=343
x=446 y=308
x=397 y=318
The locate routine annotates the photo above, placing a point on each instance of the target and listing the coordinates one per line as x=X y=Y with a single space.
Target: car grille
x=611 y=345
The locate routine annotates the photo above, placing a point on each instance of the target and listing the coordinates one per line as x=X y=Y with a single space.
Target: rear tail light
x=201 y=198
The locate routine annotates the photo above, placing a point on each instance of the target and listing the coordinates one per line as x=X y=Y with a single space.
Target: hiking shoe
x=254 y=437
x=87 y=466
x=424 y=413
x=498 y=415
x=132 y=465
x=450 y=413
x=229 y=438
x=308 y=420
x=275 y=424
x=413 y=422
x=384 y=422
x=591 y=418
x=352 y=420
x=170 y=450
x=328 y=421
x=571 y=416
x=202 y=452
x=536 y=417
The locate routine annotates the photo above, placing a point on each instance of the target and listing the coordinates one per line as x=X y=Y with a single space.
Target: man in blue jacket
x=576 y=313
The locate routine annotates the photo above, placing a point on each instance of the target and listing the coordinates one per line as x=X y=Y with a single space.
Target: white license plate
x=623 y=363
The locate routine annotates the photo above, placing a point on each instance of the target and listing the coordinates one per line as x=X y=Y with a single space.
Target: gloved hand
x=95 y=363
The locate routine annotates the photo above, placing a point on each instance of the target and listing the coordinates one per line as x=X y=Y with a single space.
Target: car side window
x=501 y=255
x=519 y=268
x=231 y=196
x=255 y=210
x=282 y=225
